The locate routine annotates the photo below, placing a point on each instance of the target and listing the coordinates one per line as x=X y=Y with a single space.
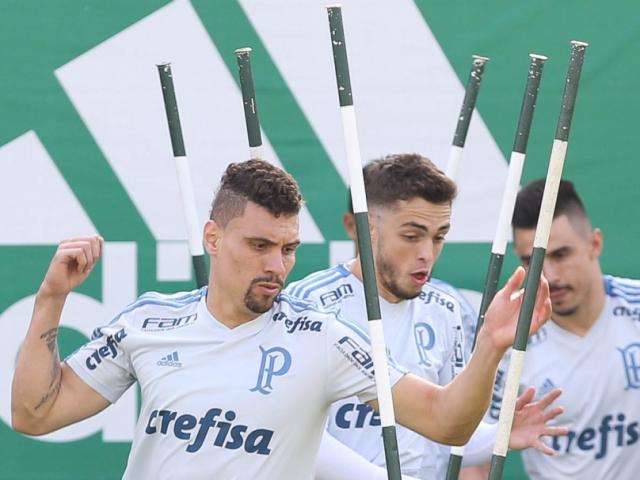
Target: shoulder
x=623 y=288
x=300 y=315
x=325 y=287
x=153 y=311
x=624 y=294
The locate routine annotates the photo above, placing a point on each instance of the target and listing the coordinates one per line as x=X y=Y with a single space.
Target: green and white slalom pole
x=466 y=111
x=554 y=174
x=194 y=234
x=249 y=101
x=360 y=210
x=516 y=164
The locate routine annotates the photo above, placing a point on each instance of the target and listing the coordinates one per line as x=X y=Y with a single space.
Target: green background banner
x=66 y=167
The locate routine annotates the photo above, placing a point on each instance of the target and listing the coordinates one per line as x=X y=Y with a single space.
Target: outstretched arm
x=451 y=413
x=47 y=395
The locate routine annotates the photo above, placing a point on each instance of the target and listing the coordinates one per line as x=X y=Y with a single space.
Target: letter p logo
x=275 y=362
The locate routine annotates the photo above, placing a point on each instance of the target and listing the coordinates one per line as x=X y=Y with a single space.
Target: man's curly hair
x=255 y=181
x=403 y=177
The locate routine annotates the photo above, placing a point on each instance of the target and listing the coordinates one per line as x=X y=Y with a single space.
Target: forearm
x=463 y=402
x=37 y=378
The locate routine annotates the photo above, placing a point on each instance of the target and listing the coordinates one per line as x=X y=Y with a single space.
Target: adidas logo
x=170 y=360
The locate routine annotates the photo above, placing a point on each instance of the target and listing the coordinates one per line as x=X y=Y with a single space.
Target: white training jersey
x=244 y=403
x=468 y=313
x=599 y=375
x=425 y=333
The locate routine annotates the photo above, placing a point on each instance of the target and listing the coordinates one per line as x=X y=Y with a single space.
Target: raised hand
x=530 y=421
x=502 y=315
x=71 y=265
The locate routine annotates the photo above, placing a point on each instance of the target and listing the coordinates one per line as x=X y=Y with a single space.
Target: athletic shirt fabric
x=244 y=403
x=600 y=378
x=423 y=334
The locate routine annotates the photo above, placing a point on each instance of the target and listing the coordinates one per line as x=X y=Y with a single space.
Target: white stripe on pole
x=516 y=163
x=349 y=127
x=194 y=232
x=455 y=156
x=379 y=354
x=255 y=153
x=552 y=184
x=509 y=403
x=457 y=450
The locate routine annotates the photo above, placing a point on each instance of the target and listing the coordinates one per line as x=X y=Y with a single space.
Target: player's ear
x=349 y=224
x=597 y=242
x=212 y=237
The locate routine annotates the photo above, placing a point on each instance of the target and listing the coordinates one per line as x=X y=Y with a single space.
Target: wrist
x=47 y=294
x=487 y=350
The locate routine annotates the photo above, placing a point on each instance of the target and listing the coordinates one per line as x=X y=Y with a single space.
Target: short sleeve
x=103 y=363
x=350 y=362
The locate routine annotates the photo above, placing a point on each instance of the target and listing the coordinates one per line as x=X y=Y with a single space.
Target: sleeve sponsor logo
x=332 y=297
x=358 y=356
x=110 y=349
x=157 y=324
x=221 y=431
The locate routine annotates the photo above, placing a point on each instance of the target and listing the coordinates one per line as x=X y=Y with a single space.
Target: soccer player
x=590 y=349
x=410 y=207
x=236 y=378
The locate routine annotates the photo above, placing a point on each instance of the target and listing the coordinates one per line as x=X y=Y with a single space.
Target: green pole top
x=249 y=97
x=536 y=62
x=576 y=60
x=340 y=60
x=470 y=97
x=171 y=109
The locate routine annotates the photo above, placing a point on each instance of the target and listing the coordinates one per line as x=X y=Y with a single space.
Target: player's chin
x=260 y=303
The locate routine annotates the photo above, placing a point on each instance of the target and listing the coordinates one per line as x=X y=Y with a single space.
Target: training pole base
x=497 y=467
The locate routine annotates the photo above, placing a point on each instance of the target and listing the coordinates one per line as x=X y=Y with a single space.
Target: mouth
x=267 y=288
x=419 y=278
x=558 y=294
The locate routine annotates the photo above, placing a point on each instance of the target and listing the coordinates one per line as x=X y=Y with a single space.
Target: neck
x=355 y=268
x=580 y=322
x=225 y=311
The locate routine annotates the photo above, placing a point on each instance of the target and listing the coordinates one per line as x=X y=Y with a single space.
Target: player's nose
x=274 y=263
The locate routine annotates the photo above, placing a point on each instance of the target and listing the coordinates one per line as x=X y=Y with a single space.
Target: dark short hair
x=259 y=182
x=403 y=177
x=529 y=199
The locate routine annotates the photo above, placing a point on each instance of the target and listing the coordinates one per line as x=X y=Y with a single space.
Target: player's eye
x=290 y=250
x=439 y=239
x=410 y=238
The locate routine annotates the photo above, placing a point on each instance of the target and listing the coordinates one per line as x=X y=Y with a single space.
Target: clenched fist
x=71 y=265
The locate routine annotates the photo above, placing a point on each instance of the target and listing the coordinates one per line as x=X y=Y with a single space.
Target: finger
x=549 y=398
x=86 y=248
x=556 y=431
x=75 y=258
x=525 y=398
x=514 y=282
x=543 y=293
x=552 y=413
x=95 y=246
x=539 y=445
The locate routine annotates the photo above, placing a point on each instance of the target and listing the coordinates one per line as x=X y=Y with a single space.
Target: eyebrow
x=446 y=226
x=271 y=242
